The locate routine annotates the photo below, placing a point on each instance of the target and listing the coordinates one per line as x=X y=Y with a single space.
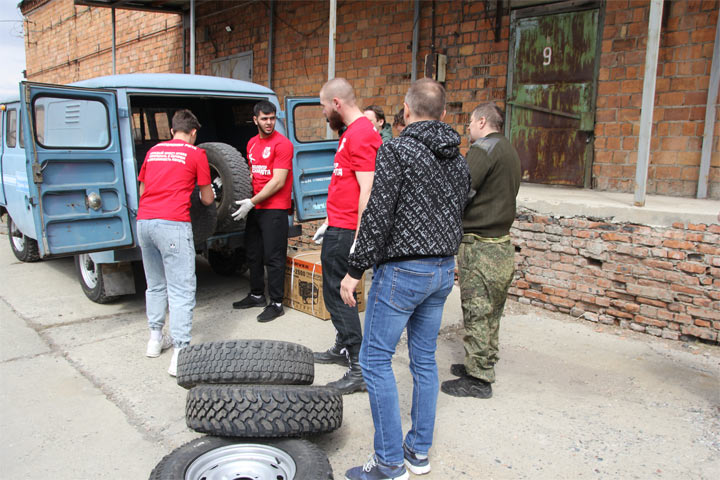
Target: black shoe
x=467 y=386
x=335 y=354
x=353 y=380
x=271 y=312
x=250 y=301
x=458 y=369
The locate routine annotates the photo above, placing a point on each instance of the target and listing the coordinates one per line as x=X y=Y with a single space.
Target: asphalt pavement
x=79 y=399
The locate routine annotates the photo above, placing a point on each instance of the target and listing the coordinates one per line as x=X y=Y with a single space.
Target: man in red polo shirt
x=167 y=178
x=266 y=232
x=348 y=194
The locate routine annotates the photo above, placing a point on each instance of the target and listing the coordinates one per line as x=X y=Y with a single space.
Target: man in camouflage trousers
x=486 y=255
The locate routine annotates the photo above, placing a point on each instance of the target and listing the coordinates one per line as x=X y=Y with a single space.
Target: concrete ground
x=79 y=400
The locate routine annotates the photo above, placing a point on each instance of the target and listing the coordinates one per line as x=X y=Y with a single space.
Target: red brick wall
x=681 y=94
x=65 y=43
x=661 y=281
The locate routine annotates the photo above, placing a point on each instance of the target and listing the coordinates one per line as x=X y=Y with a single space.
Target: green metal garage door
x=551 y=94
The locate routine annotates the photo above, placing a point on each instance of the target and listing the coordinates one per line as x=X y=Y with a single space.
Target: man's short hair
x=494 y=116
x=265 y=107
x=184 y=121
x=426 y=98
x=399 y=118
x=338 y=88
x=379 y=114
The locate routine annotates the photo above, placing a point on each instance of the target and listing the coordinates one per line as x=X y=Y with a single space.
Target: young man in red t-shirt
x=270 y=155
x=167 y=178
x=348 y=194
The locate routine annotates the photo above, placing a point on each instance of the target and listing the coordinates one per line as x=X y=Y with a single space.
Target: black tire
x=266 y=362
x=23 y=247
x=231 y=181
x=227 y=263
x=203 y=219
x=262 y=459
x=263 y=410
x=91 y=279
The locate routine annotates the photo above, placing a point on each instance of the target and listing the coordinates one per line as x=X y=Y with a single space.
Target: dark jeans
x=334 y=257
x=266 y=240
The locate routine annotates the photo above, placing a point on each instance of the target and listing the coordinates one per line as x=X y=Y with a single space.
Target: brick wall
x=681 y=94
x=65 y=43
x=661 y=281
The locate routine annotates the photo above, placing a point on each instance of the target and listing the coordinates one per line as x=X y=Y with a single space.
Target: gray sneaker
x=418 y=466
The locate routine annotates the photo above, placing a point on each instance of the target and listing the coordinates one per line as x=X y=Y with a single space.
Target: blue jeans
x=168 y=255
x=404 y=294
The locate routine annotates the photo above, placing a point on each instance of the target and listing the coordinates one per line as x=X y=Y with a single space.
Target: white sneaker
x=155 y=347
x=173 y=362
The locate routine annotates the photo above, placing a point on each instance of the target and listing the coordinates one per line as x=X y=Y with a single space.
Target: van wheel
x=263 y=410
x=24 y=248
x=263 y=459
x=231 y=181
x=227 y=263
x=91 y=279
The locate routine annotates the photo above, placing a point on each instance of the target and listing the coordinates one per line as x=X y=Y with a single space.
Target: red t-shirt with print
x=356 y=153
x=170 y=172
x=265 y=155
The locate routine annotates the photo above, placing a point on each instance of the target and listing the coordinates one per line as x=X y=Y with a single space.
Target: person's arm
x=207 y=196
x=365 y=181
x=276 y=183
x=141 y=188
x=479 y=165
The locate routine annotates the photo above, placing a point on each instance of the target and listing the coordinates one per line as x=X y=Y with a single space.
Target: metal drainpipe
x=192 y=37
x=416 y=30
x=648 y=99
x=114 y=62
x=708 y=134
x=331 y=51
x=271 y=43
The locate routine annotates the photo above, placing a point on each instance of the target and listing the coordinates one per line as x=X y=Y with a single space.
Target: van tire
x=231 y=181
x=91 y=279
x=201 y=457
x=265 y=362
x=23 y=247
x=203 y=219
x=263 y=410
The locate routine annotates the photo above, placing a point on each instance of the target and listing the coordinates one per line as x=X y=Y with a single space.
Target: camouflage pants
x=486 y=271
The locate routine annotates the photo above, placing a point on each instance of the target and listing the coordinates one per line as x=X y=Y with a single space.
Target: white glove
x=245 y=207
x=352 y=247
x=318 y=237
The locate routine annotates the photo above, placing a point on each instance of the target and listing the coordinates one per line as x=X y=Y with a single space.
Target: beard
x=335 y=121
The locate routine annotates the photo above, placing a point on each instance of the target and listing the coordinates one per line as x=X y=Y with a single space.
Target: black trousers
x=334 y=257
x=266 y=241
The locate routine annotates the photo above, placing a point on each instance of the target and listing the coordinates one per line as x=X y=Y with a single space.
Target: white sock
x=255 y=296
x=156 y=335
x=277 y=304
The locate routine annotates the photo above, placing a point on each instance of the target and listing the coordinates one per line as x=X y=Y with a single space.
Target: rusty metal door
x=551 y=94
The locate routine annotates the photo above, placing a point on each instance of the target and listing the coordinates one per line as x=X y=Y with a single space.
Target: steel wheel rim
x=247 y=461
x=216 y=181
x=87 y=270
x=18 y=238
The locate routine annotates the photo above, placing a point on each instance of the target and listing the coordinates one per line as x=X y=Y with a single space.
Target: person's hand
x=318 y=237
x=245 y=207
x=352 y=247
x=347 y=290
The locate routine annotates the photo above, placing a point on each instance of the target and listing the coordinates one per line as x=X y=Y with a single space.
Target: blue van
x=70 y=156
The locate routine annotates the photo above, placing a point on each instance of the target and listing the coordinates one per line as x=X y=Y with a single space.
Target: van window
x=71 y=122
x=310 y=124
x=20 y=131
x=11 y=135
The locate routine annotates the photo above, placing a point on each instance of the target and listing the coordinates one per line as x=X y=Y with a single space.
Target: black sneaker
x=467 y=386
x=271 y=312
x=250 y=301
x=418 y=466
x=335 y=354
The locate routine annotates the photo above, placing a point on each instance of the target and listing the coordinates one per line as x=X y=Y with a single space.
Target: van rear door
x=313 y=156
x=77 y=189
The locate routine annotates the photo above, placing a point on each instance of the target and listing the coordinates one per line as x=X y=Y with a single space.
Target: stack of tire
x=251 y=396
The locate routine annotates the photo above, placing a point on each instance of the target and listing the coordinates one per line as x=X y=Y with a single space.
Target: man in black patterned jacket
x=410 y=231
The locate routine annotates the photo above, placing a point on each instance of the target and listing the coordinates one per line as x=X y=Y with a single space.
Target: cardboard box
x=303 y=285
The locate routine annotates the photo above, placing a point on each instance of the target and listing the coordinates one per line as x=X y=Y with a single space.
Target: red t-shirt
x=356 y=153
x=265 y=155
x=169 y=173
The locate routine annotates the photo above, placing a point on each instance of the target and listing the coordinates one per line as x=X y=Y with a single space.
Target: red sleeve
x=203 y=169
x=364 y=151
x=283 y=155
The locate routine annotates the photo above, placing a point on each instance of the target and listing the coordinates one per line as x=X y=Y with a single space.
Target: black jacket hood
x=438 y=136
